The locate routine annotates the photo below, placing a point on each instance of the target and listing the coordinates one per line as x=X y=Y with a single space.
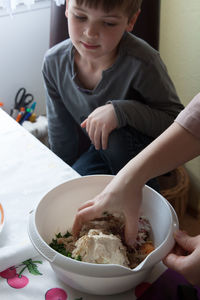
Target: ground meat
x=68 y=242
x=110 y=224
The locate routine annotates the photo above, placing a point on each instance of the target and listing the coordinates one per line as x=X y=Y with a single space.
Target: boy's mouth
x=90 y=46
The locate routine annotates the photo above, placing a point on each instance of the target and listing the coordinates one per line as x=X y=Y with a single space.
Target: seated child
x=105 y=88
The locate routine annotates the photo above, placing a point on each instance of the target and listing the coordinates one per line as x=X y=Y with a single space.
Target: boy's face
x=96 y=33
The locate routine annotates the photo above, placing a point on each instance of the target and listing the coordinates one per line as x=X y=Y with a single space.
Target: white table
x=28 y=170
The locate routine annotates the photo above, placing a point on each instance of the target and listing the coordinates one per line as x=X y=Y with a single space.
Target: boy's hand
x=99 y=125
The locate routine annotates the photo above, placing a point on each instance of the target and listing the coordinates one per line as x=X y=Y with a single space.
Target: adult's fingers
x=181 y=260
x=173 y=261
x=131 y=229
x=86 y=204
x=188 y=266
x=187 y=242
x=83 y=216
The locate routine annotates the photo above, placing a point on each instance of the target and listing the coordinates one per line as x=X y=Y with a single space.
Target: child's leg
x=91 y=163
x=123 y=145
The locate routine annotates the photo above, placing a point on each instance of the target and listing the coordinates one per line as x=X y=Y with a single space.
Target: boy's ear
x=66 y=9
x=132 y=21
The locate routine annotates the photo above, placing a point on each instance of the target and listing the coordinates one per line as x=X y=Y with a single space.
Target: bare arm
x=171 y=149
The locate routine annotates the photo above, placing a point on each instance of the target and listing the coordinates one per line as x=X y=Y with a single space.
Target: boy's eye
x=80 y=18
x=110 y=24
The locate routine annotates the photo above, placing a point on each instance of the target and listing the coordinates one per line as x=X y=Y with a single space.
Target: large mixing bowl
x=55 y=213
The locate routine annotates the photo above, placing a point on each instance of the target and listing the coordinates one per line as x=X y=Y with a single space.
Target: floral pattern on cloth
x=34 y=273
x=17 y=280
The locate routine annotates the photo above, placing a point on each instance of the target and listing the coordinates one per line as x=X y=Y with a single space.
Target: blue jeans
x=123 y=145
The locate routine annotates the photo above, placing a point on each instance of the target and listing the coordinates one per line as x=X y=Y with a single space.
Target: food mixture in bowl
x=102 y=241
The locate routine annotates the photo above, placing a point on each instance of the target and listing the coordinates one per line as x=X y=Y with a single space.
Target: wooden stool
x=174 y=186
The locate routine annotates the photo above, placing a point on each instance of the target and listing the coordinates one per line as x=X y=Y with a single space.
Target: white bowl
x=55 y=213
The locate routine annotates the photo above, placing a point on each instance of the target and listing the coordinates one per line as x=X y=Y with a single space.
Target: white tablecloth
x=28 y=170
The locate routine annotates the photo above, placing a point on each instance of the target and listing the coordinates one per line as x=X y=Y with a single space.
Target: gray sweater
x=137 y=84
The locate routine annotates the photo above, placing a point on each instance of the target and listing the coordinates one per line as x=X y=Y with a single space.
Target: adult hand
x=99 y=124
x=115 y=198
x=185 y=257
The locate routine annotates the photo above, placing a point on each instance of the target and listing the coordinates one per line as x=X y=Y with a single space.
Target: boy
x=108 y=83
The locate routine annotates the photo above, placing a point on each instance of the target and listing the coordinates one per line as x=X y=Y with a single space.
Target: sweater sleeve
x=160 y=104
x=62 y=130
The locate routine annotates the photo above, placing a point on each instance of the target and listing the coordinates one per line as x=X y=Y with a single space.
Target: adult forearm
x=171 y=149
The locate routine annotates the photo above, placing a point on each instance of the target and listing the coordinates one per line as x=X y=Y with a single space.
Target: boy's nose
x=91 y=31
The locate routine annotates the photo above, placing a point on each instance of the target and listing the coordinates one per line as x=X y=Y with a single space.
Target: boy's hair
x=130 y=7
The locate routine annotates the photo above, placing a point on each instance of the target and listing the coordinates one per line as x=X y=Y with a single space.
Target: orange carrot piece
x=147 y=248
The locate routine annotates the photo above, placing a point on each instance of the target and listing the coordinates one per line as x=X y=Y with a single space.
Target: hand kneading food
x=101 y=241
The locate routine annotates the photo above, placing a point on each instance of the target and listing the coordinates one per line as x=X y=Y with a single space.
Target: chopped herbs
x=60 y=247
x=67 y=234
x=69 y=254
x=78 y=258
x=59 y=235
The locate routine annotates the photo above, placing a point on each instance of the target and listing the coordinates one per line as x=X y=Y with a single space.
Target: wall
x=24 y=38
x=180 y=50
